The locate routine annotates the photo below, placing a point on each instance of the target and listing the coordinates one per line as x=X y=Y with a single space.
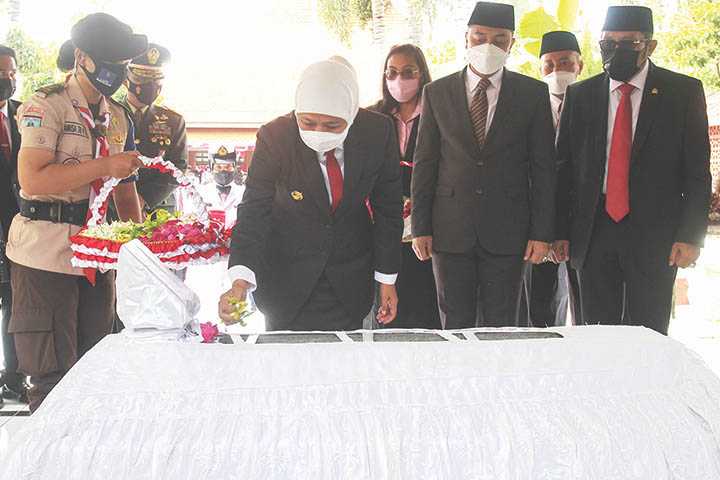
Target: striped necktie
x=479 y=110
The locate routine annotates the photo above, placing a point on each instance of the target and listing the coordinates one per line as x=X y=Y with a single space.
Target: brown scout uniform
x=57 y=315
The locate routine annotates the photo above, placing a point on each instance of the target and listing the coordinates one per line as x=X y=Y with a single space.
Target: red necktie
x=335 y=178
x=617 y=202
x=4 y=138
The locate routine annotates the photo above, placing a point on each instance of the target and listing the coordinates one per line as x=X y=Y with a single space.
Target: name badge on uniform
x=74 y=128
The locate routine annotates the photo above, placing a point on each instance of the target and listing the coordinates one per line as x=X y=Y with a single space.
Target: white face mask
x=559 y=81
x=323 y=142
x=486 y=59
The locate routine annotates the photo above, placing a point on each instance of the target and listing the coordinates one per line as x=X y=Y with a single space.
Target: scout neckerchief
x=102 y=149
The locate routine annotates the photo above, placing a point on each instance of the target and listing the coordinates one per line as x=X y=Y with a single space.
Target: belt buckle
x=56 y=218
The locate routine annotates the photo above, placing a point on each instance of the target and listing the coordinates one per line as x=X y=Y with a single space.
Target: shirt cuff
x=241 y=272
x=386 y=278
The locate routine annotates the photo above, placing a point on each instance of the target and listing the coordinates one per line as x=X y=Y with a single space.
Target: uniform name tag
x=73 y=128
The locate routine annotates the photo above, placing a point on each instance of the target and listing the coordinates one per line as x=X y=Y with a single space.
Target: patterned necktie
x=479 y=111
x=5 y=138
x=617 y=201
x=335 y=178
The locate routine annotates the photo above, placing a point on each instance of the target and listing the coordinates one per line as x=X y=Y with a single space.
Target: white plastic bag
x=150 y=298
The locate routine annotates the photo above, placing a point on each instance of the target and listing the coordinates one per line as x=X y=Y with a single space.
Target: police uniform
x=222 y=200
x=159 y=131
x=57 y=314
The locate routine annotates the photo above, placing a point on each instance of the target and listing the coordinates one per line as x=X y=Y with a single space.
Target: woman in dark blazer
x=404 y=76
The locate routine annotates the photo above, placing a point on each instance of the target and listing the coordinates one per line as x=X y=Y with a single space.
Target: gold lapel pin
x=654 y=91
x=297 y=196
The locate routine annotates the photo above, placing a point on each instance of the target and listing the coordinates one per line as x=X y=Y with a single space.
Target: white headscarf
x=330 y=88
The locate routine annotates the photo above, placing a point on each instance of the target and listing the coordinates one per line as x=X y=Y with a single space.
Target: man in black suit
x=553 y=286
x=304 y=234
x=11 y=383
x=484 y=180
x=635 y=180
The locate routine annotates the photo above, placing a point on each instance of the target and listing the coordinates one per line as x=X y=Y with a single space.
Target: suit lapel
x=503 y=109
x=352 y=171
x=648 y=108
x=600 y=106
x=312 y=175
x=14 y=133
x=459 y=99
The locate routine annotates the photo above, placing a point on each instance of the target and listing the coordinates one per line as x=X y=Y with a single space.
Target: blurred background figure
x=223 y=195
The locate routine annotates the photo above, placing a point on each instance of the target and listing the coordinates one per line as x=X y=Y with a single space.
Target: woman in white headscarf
x=306 y=238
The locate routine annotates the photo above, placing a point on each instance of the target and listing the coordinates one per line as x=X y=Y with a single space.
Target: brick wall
x=715 y=153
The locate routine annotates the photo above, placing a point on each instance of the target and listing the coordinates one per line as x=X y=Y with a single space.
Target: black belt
x=55 y=212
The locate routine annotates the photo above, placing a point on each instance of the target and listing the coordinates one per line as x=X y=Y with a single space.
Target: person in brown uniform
x=73 y=136
x=159 y=131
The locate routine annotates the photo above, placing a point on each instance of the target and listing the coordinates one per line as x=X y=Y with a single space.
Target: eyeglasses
x=406 y=74
x=610 y=45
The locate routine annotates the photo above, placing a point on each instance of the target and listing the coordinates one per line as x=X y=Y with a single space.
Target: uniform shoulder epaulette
x=169 y=110
x=52 y=89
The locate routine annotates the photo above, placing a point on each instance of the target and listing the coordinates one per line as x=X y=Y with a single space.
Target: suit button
x=479 y=191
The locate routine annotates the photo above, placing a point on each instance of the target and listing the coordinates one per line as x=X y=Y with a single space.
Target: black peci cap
x=107 y=39
x=558 y=41
x=495 y=15
x=628 y=19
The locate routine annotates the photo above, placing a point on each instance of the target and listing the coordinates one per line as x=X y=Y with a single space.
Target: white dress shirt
x=556 y=104
x=4 y=110
x=638 y=81
x=241 y=272
x=493 y=91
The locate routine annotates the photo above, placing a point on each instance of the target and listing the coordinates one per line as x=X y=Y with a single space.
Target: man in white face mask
x=305 y=237
x=484 y=180
x=551 y=286
x=561 y=65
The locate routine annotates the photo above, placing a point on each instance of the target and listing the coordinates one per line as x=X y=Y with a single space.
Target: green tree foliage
x=693 y=43
x=35 y=62
x=341 y=16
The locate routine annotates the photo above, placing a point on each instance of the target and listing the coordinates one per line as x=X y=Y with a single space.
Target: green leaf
x=567 y=13
x=533 y=47
x=535 y=23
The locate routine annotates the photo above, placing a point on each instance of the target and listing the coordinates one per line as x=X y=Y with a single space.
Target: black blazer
x=286 y=233
x=8 y=172
x=500 y=196
x=669 y=174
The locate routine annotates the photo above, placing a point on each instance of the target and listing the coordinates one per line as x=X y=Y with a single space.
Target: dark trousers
x=56 y=319
x=11 y=376
x=322 y=311
x=417 y=295
x=551 y=288
x=617 y=287
x=478 y=288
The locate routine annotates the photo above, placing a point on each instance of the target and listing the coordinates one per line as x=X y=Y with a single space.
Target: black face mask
x=621 y=64
x=223 y=179
x=108 y=77
x=7 y=88
x=147 y=93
